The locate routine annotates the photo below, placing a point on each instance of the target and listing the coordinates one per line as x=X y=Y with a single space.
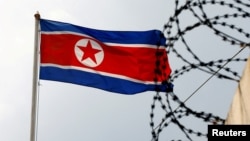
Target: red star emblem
x=89 y=51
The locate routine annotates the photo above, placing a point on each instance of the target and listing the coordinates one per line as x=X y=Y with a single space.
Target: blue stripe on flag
x=111 y=84
x=151 y=37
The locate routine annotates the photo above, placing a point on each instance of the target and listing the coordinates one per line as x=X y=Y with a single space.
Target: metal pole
x=35 y=82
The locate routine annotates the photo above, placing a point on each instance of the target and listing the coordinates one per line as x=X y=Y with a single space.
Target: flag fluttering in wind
x=125 y=62
x=239 y=112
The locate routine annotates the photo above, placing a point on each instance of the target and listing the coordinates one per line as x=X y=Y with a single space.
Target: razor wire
x=222 y=25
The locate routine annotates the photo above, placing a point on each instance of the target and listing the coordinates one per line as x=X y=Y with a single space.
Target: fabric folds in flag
x=125 y=62
x=239 y=112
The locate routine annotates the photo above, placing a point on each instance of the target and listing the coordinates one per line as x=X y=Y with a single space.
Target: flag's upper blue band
x=151 y=37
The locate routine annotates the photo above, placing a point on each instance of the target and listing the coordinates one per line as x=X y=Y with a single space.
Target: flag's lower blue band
x=98 y=81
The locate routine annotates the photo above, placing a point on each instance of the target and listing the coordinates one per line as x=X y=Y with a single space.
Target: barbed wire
x=222 y=26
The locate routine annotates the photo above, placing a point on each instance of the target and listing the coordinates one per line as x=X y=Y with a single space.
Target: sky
x=71 y=112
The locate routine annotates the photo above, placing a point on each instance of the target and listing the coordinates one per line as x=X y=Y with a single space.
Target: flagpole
x=35 y=82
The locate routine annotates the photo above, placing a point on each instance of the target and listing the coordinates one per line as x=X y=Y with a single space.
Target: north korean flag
x=124 y=62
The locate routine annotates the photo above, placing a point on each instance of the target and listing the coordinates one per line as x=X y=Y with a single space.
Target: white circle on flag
x=89 y=53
